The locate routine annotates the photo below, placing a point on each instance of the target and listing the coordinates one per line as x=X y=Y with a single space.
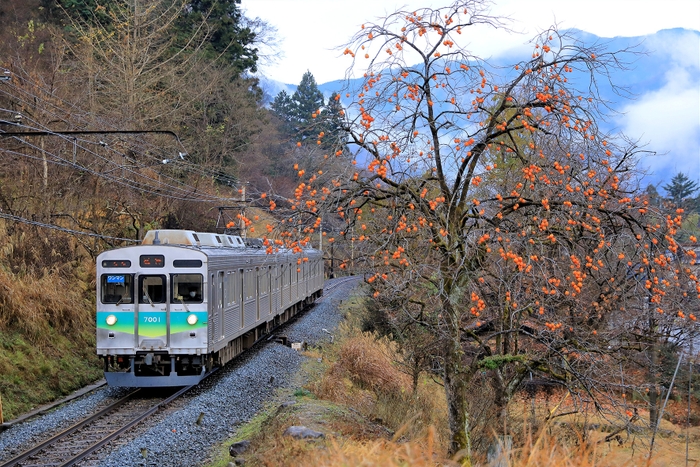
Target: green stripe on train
x=151 y=324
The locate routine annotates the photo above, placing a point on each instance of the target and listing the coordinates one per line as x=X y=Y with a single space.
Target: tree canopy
x=300 y=110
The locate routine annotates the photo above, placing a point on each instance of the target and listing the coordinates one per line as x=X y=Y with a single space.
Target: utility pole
x=238 y=206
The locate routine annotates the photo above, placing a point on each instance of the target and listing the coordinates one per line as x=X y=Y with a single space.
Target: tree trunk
x=499 y=451
x=456 y=391
x=653 y=389
x=415 y=374
x=653 y=401
x=500 y=400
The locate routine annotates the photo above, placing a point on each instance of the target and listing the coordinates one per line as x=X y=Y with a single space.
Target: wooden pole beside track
x=2 y=420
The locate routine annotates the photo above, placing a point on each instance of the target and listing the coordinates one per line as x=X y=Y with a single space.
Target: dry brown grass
x=348 y=450
x=363 y=374
x=543 y=452
x=369 y=362
x=44 y=283
x=382 y=453
x=31 y=305
x=47 y=327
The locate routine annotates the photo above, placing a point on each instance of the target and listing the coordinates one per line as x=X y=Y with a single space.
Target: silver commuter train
x=183 y=302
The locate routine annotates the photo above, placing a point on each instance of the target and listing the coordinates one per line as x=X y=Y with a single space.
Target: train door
x=294 y=270
x=278 y=290
x=258 y=291
x=241 y=296
x=251 y=300
x=283 y=287
x=153 y=318
x=271 y=296
x=305 y=278
x=214 y=319
x=233 y=303
x=221 y=301
x=274 y=290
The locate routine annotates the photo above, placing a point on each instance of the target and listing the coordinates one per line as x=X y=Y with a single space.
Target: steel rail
x=18 y=460
x=68 y=431
x=115 y=434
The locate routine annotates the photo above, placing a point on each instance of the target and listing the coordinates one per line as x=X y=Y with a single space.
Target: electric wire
x=158 y=186
x=63 y=229
x=164 y=186
x=154 y=159
x=167 y=187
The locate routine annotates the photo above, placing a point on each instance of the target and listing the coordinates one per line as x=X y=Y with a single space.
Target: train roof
x=191 y=238
x=211 y=244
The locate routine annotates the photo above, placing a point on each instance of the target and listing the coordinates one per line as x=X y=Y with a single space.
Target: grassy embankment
x=354 y=393
x=47 y=336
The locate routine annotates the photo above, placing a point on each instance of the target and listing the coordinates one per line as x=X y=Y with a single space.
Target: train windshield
x=117 y=288
x=187 y=288
x=152 y=289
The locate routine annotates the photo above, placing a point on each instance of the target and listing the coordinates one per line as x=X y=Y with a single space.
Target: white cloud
x=683 y=48
x=668 y=119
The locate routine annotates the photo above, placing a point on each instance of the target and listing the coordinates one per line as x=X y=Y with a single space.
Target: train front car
x=152 y=315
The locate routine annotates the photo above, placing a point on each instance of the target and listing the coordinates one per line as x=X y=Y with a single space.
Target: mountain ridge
x=661 y=110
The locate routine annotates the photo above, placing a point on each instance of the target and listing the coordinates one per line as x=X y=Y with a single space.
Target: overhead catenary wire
x=79 y=121
x=161 y=189
x=152 y=154
x=63 y=229
x=109 y=168
x=164 y=189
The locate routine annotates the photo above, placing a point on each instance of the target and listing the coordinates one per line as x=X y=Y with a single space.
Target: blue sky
x=312 y=32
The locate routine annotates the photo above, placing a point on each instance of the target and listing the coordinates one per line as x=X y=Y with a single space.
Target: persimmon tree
x=496 y=204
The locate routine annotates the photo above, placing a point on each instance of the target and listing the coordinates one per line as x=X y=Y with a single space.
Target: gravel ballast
x=22 y=436
x=212 y=411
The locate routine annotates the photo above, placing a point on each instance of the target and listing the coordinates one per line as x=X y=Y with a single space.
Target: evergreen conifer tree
x=680 y=188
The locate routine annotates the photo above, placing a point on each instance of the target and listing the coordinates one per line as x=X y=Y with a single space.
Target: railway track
x=332 y=284
x=77 y=443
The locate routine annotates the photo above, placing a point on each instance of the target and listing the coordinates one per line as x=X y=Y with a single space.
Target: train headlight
x=111 y=320
x=192 y=320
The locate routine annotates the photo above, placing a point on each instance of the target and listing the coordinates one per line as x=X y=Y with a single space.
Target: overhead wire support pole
x=241 y=208
x=240 y=205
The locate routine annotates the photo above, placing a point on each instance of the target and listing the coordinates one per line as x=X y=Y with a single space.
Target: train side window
x=235 y=287
x=151 y=289
x=249 y=284
x=187 y=288
x=117 y=288
x=230 y=298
